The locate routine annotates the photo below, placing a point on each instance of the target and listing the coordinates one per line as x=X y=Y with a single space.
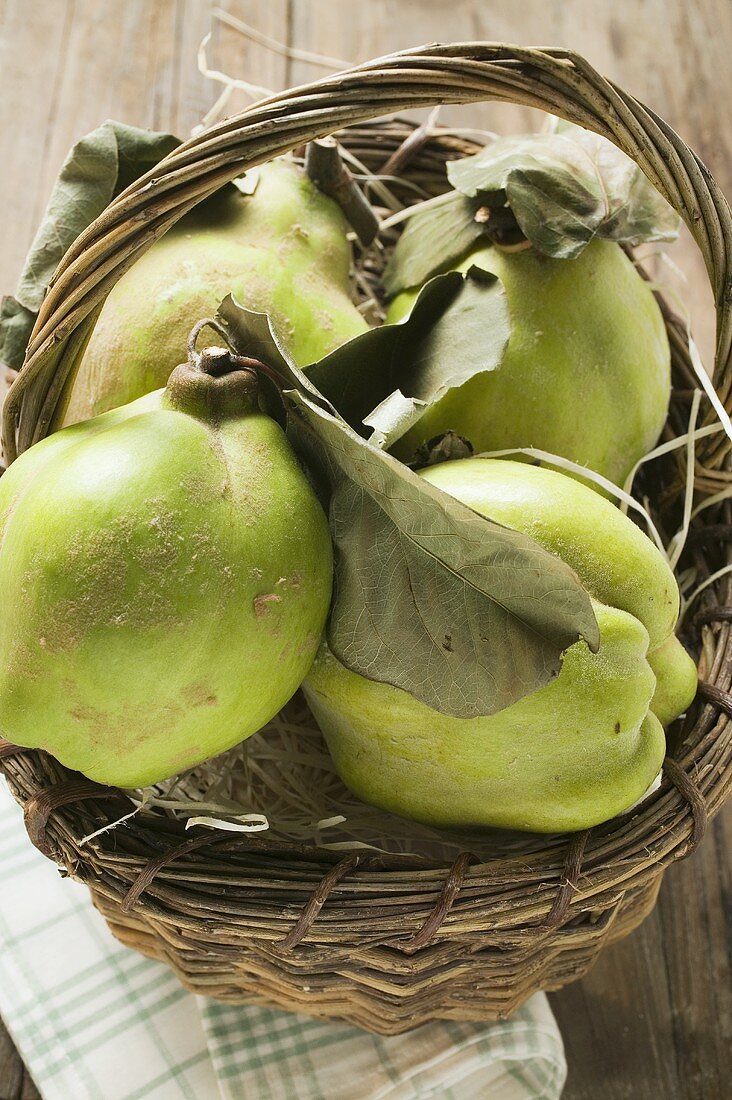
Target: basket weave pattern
x=385 y=941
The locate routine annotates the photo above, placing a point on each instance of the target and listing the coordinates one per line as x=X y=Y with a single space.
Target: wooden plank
x=229 y=51
x=669 y=54
x=11 y=1068
x=74 y=65
x=31 y=64
x=654 y=1016
x=15 y=1081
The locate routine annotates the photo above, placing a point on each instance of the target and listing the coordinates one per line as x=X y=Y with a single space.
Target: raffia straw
x=256 y=91
x=676 y=545
x=590 y=475
x=292 y=53
x=282 y=782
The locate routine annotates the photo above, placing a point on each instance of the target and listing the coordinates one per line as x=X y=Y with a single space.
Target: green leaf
x=432 y=354
x=138 y=150
x=252 y=334
x=98 y=168
x=464 y=614
x=362 y=373
x=548 y=183
x=635 y=211
x=16 y=324
x=388 y=377
x=564 y=188
x=434 y=238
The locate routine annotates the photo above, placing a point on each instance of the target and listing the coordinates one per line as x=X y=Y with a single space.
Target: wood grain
x=668 y=53
x=15 y=1081
x=654 y=1018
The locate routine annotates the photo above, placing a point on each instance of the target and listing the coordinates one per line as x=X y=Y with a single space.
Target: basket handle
x=554 y=80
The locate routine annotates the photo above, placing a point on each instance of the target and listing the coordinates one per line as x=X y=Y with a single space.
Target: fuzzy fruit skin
x=615 y=561
x=676 y=680
x=586 y=374
x=282 y=250
x=164 y=584
x=566 y=757
x=573 y=754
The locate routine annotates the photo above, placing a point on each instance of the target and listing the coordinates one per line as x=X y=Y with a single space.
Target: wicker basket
x=378 y=940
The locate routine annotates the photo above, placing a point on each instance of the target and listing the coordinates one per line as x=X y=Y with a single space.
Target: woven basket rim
x=573 y=871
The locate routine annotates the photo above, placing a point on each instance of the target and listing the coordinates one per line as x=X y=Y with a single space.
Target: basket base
x=378 y=988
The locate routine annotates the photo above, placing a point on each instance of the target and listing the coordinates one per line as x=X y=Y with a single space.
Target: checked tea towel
x=96 y=1021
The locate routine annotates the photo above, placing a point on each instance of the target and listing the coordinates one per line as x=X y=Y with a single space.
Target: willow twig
x=328 y=172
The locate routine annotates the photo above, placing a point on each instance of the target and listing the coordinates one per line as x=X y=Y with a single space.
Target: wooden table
x=654 y=1018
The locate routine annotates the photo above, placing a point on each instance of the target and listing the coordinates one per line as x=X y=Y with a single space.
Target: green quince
x=573 y=754
x=281 y=251
x=586 y=374
x=165 y=577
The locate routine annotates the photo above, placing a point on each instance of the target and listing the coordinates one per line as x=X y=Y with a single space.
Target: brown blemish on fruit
x=261 y=603
x=198 y=695
x=309 y=643
x=187 y=758
x=617 y=727
x=99 y=727
x=137 y=723
x=85 y=713
x=128 y=576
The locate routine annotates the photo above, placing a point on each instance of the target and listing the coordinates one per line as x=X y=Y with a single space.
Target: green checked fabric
x=96 y=1021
